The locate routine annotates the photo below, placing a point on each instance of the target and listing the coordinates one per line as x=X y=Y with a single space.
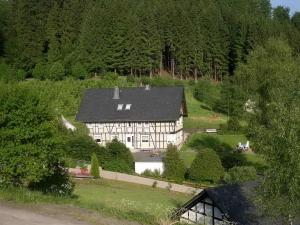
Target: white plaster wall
x=140 y=167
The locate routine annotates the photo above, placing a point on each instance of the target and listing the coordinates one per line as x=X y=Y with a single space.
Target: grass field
x=143 y=204
x=199 y=116
x=188 y=154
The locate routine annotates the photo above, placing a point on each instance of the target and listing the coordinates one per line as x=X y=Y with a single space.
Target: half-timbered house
x=226 y=205
x=143 y=118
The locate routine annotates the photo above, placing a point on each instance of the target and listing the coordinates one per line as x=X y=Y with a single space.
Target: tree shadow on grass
x=227 y=154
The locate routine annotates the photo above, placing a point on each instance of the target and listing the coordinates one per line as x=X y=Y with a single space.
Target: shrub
x=57 y=71
x=40 y=71
x=206 y=166
x=95 y=166
x=110 y=76
x=148 y=173
x=119 y=158
x=9 y=73
x=58 y=182
x=240 y=174
x=233 y=124
x=78 y=71
x=81 y=147
x=31 y=143
x=174 y=165
x=130 y=79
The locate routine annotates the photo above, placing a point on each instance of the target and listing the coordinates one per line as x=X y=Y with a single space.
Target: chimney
x=147 y=88
x=116 y=93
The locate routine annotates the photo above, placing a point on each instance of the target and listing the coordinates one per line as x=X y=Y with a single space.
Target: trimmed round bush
x=206 y=166
x=174 y=165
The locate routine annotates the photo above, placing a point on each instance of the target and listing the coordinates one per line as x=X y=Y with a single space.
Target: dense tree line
x=53 y=39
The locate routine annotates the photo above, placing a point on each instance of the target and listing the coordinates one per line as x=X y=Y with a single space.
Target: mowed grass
x=199 y=116
x=188 y=154
x=121 y=200
x=128 y=201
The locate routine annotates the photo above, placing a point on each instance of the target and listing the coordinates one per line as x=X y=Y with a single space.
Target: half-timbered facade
x=226 y=205
x=142 y=118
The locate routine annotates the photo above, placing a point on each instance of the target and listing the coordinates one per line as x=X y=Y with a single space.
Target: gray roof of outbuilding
x=147 y=157
x=156 y=104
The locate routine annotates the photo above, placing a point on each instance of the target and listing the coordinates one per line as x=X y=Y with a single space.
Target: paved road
x=17 y=216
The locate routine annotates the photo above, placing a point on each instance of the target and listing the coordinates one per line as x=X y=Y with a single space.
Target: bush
x=206 y=166
x=130 y=79
x=233 y=124
x=58 y=182
x=95 y=166
x=81 y=147
x=78 y=71
x=31 y=142
x=150 y=173
x=40 y=71
x=174 y=165
x=57 y=71
x=9 y=73
x=240 y=174
x=228 y=156
x=110 y=76
x=119 y=158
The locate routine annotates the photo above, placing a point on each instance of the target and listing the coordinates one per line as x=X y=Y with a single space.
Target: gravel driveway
x=16 y=216
x=11 y=214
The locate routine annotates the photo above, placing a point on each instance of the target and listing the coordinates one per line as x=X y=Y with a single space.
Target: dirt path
x=12 y=214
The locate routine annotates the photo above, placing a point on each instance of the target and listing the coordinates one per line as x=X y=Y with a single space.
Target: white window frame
x=128 y=107
x=145 y=138
x=120 y=107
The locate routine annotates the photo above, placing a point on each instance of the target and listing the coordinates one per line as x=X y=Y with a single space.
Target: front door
x=129 y=141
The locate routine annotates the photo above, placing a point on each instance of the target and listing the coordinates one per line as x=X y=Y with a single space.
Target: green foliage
x=146 y=38
x=119 y=158
x=150 y=173
x=9 y=74
x=273 y=78
x=206 y=92
x=240 y=174
x=174 y=165
x=57 y=71
x=110 y=76
x=206 y=166
x=40 y=71
x=78 y=71
x=228 y=156
x=81 y=147
x=30 y=142
x=95 y=166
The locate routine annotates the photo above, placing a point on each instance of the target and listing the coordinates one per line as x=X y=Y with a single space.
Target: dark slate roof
x=147 y=157
x=156 y=104
x=237 y=202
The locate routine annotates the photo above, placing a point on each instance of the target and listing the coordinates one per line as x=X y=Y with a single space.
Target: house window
x=128 y=106
x=98 y=140
x=120 y=107
x=128 y=139
x=146 y=124
x=129 y=124
x=145 y=138
x=139 y=124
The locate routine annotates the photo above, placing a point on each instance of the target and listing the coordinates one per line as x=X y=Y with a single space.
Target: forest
x=186 y=39
x=226 y=54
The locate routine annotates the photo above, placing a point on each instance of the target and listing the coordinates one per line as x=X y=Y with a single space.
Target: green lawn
x=122 y=200
x=199 y=116
x=129 y=201
x=188 y=154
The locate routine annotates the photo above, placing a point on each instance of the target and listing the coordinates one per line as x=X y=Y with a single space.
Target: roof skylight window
x=120 y=107
x=128 y=107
